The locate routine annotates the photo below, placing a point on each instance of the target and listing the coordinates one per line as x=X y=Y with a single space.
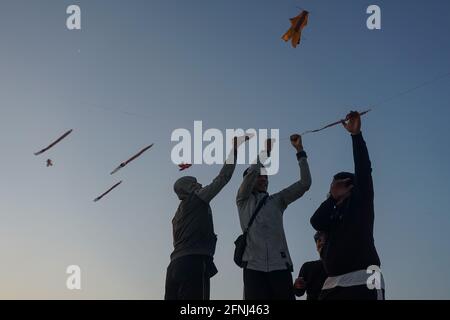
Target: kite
x=49 y=163
x=295 y=31
x=54 y=143
x=123 y=164
x=108 y=191
x=184 y=166
x=333 y=124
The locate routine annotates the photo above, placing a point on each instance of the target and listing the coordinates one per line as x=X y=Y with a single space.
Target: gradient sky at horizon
x=140 y=69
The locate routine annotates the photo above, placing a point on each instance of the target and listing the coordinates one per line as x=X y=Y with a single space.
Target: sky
x=137 y=70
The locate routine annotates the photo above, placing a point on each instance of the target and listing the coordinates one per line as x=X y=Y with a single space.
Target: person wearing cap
x=312 y=274
x=191 y=266
x=267 y=270
x=347 y=217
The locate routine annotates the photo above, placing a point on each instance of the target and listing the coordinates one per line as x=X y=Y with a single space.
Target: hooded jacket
x=267 y=248
x=193 y=229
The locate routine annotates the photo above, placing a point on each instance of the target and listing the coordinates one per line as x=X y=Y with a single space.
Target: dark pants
x=275 y=285
x=352 y=293
x=188 y=278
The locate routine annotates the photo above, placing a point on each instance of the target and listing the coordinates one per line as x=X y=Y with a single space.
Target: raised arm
x=363 y=166
x=208 y=192
x=253 y=172
x=298 y=189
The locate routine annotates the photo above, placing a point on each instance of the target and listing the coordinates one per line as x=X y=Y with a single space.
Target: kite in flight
x=54 y=143
x=108 y=191
x=333 y=124
x=295 y=31
x=184 y=166
x=49 y=163
x=123 y=164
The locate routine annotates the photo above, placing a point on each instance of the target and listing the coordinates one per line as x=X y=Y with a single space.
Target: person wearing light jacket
x=268 y=265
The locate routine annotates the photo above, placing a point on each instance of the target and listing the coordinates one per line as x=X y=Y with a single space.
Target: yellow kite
x=295 y=31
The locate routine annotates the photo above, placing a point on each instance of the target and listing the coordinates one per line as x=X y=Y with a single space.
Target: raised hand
x=269 y=145
x=296 y=141
x=353 y=122
x=238 y=141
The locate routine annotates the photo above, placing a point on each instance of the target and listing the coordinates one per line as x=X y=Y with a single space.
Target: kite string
x=91 y=105
x=393 y=97
x=402 y=93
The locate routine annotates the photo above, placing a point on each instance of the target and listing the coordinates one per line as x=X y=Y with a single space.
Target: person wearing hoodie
x=312 y=274
x=191 y=267
x=268 y=266
x=347 y=217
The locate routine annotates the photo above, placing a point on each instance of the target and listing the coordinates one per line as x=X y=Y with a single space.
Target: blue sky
x=140 y=69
